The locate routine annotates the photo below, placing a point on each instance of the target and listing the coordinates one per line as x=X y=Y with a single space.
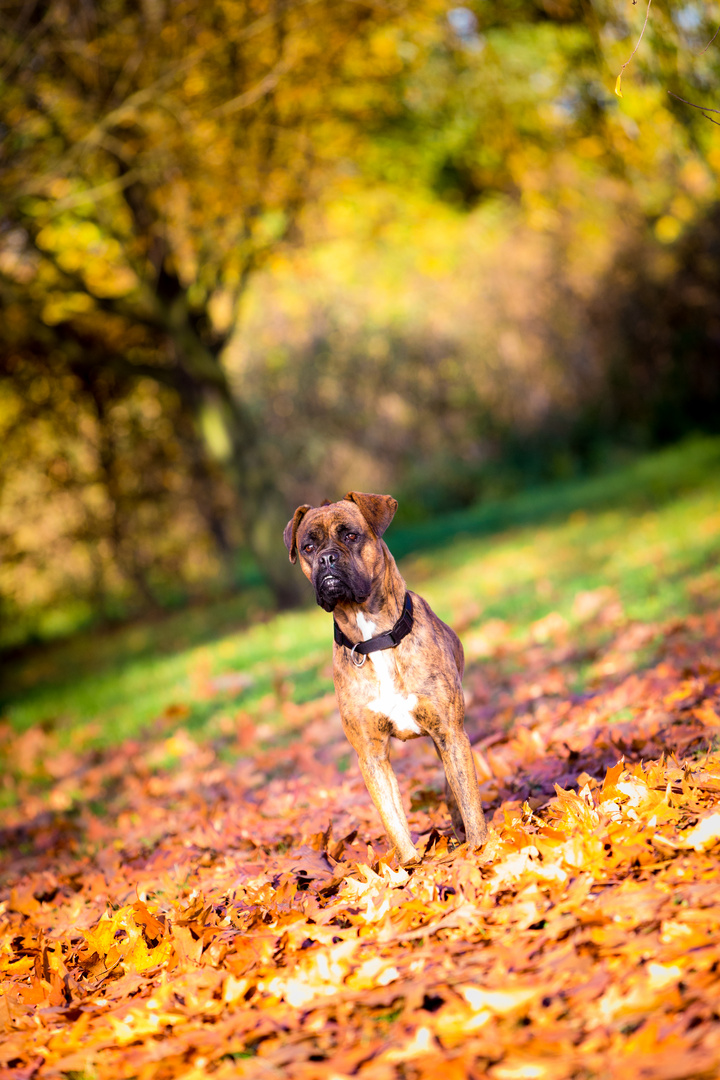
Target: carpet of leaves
x=173 y=908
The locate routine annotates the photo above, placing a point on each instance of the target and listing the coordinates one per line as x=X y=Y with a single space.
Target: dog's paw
x=411 y=857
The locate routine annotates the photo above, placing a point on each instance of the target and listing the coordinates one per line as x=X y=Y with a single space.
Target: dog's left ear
x=378 y=510
x=290 y=533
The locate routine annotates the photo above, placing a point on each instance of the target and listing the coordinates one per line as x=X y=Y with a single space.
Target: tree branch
x=711 y=40
x=618 y=90
x=249 y=97
x=95 y=194
x=704 y=109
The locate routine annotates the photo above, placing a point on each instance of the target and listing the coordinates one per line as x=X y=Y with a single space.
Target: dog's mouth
x=330 y=589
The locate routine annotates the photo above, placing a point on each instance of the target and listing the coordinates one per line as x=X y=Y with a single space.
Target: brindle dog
x=409 y=683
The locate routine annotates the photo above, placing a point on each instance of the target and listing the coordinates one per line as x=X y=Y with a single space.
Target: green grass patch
x=639 y=545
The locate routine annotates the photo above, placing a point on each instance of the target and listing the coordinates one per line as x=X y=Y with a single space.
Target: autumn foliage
x=241 y=917
x=254 y=252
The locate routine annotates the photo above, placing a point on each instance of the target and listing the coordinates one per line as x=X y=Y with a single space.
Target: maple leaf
x=118 y=939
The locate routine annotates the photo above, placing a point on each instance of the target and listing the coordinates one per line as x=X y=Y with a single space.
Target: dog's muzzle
x=329 y=590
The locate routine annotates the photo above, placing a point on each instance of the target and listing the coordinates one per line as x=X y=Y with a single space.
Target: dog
x=397 y=667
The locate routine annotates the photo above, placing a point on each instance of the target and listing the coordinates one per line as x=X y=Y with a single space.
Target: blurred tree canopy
x=153 y=155
x=195 y=200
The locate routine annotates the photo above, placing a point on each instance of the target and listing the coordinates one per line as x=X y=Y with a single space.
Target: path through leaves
x=172 y=909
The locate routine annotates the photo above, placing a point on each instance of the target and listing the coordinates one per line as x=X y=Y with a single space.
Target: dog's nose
x=328 y=560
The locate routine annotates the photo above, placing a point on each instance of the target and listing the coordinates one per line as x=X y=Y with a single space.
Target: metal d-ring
x=352 y=656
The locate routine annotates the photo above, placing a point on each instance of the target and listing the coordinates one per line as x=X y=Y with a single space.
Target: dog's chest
x=389 y=699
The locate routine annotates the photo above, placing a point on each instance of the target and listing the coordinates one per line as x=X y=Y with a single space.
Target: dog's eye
x=351 y=536
x=308 y=548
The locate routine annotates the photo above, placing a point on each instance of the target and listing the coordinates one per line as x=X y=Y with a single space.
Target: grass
x=643 y=541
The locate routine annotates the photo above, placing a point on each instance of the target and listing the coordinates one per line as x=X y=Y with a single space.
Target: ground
x=210 y=893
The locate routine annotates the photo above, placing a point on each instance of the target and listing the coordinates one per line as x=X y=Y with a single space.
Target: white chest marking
x=397 y=707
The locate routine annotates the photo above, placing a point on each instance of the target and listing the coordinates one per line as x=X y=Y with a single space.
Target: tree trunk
x=230 y=437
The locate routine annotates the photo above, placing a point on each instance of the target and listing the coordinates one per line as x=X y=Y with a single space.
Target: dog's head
x=339 y=545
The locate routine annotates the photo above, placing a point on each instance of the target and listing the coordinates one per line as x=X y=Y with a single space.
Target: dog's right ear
x=290 y=533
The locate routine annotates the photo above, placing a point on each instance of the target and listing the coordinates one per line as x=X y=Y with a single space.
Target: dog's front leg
x=453 y=748
x=381 y=782
x=452 y=805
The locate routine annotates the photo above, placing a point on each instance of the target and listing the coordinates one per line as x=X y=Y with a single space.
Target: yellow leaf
x=613 y=774
x=118 y=937
x=372 y=973
x=24 y=902
x=707 y=715
x=659 y=975
x=22 y=966
x=102 y=937
x=455 y=1022
x=706 y=832
x=37 y=992
x=499 y=1001
x=684 y=690
x=234 y=989
x=144 y=917
x=140 y=958
x=618 y=91
x=420 y=1044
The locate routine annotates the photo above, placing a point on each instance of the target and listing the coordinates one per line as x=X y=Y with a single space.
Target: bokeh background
x=256 y=252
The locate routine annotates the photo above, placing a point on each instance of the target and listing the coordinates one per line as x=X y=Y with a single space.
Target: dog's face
x=339 y=545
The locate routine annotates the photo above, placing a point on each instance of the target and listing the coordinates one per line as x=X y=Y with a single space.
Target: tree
x=154 y=156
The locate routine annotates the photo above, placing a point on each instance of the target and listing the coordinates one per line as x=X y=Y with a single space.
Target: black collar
x=388 y=640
